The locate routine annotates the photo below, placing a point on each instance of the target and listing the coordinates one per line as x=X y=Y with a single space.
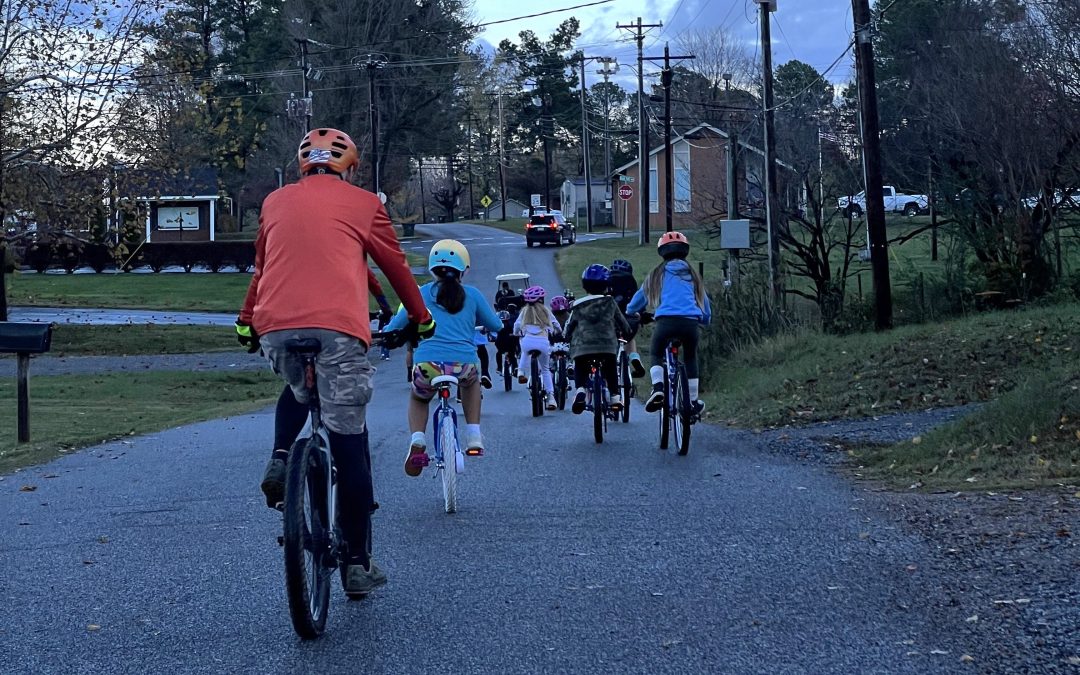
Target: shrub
x=38 y=254
x=97 y=256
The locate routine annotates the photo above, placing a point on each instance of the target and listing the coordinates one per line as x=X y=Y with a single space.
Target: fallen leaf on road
x=93 y=627
x=88 y=562
x=657 y=595
x=973 y=479
x=911 y=568
x=938 y=652
x=972 y=619
x=967 y=658
x=864 y=535
x=51 y=475
x=668 y=644
x=1073 y=660
x=28 y=488
x=103 y=540
x=1018 y=601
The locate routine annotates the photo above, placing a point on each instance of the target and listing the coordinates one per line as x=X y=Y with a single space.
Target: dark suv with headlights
x=549 y=228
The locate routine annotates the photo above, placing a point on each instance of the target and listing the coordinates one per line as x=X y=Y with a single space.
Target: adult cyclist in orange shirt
x=311 y=281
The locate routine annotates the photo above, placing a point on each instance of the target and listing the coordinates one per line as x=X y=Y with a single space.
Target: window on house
x=654 y=190
x=178 y=218
x=681 y=157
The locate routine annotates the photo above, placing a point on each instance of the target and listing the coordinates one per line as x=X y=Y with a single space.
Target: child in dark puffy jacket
x=593 y=332
x=507 y=345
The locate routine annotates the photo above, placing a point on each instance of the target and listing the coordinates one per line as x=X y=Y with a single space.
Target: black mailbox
x=24 y=338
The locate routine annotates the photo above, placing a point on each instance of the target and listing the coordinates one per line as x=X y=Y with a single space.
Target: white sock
x=419 y=439
x=472 y=430
x=693 y=382
x=657 y=374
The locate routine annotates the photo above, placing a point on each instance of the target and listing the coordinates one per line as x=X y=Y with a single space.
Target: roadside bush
x=68 y=253
x=38 y=255
x=97 y=256
x=214 y=255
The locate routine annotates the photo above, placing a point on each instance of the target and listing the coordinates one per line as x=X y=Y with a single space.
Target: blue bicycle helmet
x=596 y=272
x=621 y=266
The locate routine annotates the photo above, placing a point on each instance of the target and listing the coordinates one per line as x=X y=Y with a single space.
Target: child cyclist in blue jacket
x=458 y=309
x=677 y=295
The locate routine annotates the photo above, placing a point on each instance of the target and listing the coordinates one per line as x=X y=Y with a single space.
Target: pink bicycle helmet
x=534 y=294
x=559 y=303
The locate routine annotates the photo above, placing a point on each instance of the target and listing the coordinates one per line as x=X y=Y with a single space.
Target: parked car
x=895 y=202
x=1061 y=202
x=549 y=228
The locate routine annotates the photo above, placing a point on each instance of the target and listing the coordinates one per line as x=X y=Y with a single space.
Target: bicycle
x=445 y=425
x=626 y=383
x=311 y=538
x=536 y=385
x=561 y=377
x=598 y=402
x=677 y=416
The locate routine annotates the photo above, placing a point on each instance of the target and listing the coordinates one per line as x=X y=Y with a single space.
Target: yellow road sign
x=485 y=201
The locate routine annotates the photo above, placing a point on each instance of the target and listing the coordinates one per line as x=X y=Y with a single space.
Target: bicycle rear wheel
x=598 y=408
x=626 y=385
x=307 y=539
x=447 y=449
x=536 y=388
x=681 y=420
x=560 y=382
x=508 y=373
x=665 y=412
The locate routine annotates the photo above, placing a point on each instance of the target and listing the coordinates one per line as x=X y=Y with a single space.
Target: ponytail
x=449 y=294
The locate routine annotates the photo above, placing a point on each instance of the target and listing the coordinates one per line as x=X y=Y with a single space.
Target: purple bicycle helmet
x=534 y=294
x=559 y=303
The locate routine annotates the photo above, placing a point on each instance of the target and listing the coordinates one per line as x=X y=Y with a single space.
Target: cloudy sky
x=814 y=31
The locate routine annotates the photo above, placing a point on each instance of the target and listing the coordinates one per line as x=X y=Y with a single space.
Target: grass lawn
x=75 y=340
x=221 y=292
x=73 y=411
x=512 y=225
x=571 y=260
x=1024 y=363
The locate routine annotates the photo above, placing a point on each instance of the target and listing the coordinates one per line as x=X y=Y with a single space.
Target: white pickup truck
x=895 y=202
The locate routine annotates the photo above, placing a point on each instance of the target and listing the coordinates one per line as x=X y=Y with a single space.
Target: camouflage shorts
x=342 y=369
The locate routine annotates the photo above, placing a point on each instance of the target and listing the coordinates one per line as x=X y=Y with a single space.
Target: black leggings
x=607 y=369
x=481 y=352
x=679 y=328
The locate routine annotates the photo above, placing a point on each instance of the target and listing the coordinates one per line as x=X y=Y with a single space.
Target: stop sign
x=625 y=192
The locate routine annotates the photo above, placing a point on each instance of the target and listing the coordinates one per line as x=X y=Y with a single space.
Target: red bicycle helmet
x=327 y=147
x=673 y=245
x=559 y=303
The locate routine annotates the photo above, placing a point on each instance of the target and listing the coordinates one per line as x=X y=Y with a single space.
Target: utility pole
x=666 y=77
x=468 y=165
x=372 y=64
x=544 y=120
x=607 y=61
x=871 y=140
x=502 y=160
x=307 y=93
x=453 y=186
x=643 y=129
x=423 y=201
x=771 y=205
x=586 y=158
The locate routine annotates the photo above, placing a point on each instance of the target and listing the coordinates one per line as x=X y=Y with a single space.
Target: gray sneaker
x=359 y=580
x=273 y=482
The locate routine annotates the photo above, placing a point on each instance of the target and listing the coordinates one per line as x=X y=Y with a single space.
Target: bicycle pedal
x=281 y=540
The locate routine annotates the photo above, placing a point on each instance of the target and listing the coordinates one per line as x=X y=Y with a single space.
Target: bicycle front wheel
x=307 y=539
x=681 y=420
x=448 y=450
x=508 y=373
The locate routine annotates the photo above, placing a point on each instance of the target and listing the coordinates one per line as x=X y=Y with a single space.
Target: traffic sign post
x=626 y=192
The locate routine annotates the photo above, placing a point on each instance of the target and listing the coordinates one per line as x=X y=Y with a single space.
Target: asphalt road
x=157 y=554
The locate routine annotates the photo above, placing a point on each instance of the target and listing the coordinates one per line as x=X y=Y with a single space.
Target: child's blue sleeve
x=400 y=320
x=485 y=315
x=637 y=303
x=706 y=316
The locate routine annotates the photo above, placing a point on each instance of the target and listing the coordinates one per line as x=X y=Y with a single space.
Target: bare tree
x=61 y=63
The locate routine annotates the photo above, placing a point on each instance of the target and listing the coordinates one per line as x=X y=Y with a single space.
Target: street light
x=543 y=101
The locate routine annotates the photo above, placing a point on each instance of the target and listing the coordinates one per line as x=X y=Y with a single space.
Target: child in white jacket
x=535 y=325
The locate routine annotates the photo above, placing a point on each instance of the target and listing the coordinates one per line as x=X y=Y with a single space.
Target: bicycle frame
x=320 y=431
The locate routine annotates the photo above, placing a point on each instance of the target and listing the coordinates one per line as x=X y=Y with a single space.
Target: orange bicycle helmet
x=673 y=245
x=330 y=148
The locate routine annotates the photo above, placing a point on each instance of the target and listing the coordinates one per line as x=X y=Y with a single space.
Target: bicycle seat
x=303 y=346
x=444 y=379
x=676 y=343
x=534 y=352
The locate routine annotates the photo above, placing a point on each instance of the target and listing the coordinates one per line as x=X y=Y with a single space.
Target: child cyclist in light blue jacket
x=458 y=310
x=676 y=294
